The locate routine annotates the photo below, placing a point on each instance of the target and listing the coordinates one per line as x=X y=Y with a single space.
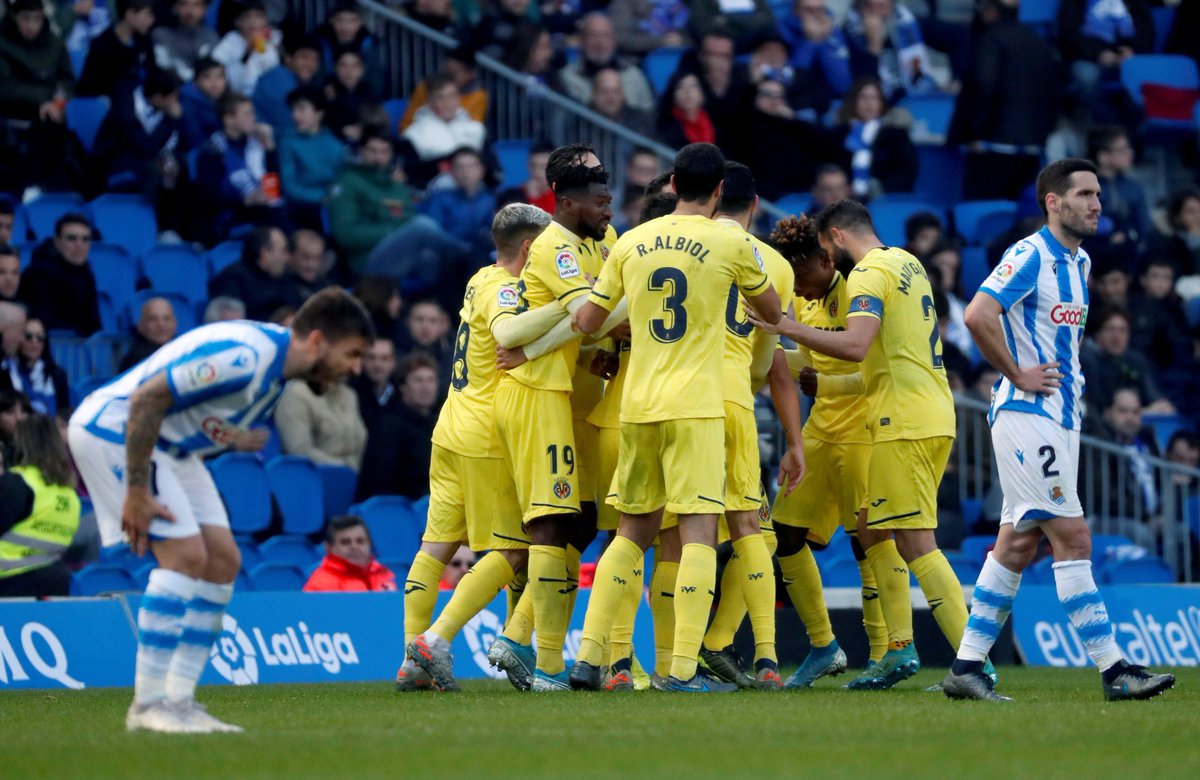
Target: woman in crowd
x=34 y=372
x=875 y=144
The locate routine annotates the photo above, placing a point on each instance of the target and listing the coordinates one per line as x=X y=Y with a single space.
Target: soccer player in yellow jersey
x=891 y=328
x=676 y=272
x=472 y=497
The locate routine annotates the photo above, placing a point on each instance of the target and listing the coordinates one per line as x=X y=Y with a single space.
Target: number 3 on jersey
x=674 y=283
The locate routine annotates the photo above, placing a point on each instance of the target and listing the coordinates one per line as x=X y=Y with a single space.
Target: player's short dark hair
x=660 y=183
x=738 y=194
x=796 y=239
x=125 y=6
x=570 y=154
x=339 y=523
x=463 y=53
x=336 y=313
x=230 y=101
x=71 y=218
x=844 y=215
x=699 y=170
x=1101 y=137
x=414 y=361
x=160 y=81
x=515 y=223
x=922 y=220
x=660 y=204
x=1056 y=178
x=824 y=169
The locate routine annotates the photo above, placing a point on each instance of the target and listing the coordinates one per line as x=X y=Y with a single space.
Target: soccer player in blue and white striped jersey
x=1028 y=319
x=138 y=442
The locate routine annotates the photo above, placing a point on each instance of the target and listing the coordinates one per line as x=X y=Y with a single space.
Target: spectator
x=156 y=326
x=35 y=83
x=640 y=168
x=310 y=159
x=300 y=66
x=724 y=87
x=1096 y=38
x=1184 y=449
x=321 y=422
x=343 y=31
x=500 y=24
x=1182 y=246
x=10 y=273
x=442 y=126
x=875 y=145
x=460 y=65
x=807 y=94
x=307 y=265
x=8 y=219
x=12 y=335
x=955 y=361
x=830 y=185
x=743 y=19
x=536 y=189
x=389 y=469
x=1108 y=365
x=1110 y=282
x=427 y=331
x=608 y=100
x=885 y=42
x=771 y=126
x=1156 y=316
x=945 y=265
x=817 y=46
x=349 y=563
x=682 y=119
x=179 y=46
x=59 y=285
x=349 y=94
x=598 y=50
x=250 y=49
x=376 y=387
x=642 y=26
x=259 y=279
x=922 y=232
x=79 y=23
x=381 y=297
x=33 y=371
x=1123 y=426
x=121 y=57
x=224 y=308
x=531 y=53
x=1122 y=199
x=199 y=99
x=437 y=14
x=37 y=501
x=14 y=407
x=457 y=568
x=465 y=210
x=1008 y=104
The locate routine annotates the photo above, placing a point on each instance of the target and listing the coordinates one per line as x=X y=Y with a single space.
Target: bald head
x=12 y=327
x=157 y=323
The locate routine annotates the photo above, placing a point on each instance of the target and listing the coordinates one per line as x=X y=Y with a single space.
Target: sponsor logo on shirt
x=1069 y=314
x=220 y=431
x=567 y=265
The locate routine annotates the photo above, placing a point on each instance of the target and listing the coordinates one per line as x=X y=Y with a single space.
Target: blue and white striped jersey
x=223 y=378
x=1043 y=291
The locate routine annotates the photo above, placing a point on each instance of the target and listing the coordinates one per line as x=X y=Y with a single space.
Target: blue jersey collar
x=1056 y=246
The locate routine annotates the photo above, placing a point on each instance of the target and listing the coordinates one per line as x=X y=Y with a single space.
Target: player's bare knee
x=551 y=530
x=1070 y=539
x=791 y=540
x=913 y=544
x=186 y=556
x=517 y=559
x=441 y=551
x=742 y=524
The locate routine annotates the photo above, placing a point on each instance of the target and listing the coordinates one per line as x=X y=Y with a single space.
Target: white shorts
x=1038 y=462
x=182 y=485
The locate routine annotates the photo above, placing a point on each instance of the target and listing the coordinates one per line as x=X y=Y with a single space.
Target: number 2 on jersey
x=672 y=328
x=934 y=352
x=458 y=363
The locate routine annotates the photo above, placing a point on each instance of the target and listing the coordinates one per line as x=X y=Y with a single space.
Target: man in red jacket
x=348 y=563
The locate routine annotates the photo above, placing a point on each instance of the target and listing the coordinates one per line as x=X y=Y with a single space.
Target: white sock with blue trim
x=990 y=605
x=160 y=624
x=201 y=627
x=1079 y=597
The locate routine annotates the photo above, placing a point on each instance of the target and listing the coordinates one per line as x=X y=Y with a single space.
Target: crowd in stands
x=237 y=123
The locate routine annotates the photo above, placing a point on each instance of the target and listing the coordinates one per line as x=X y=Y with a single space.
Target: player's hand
x=141 y=507
x=621 y=332
x=791 y=469
x=763 y=325
x=252 y=440
x=808 y=381
x=1044 y=379
x=508 y=359
x=605 y=364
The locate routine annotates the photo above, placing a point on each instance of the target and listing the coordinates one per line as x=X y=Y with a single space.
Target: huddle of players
x=524 y=457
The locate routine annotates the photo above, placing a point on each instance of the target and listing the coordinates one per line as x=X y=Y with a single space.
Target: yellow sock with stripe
x=519 y=626
x=573 y=565
x=662 y=610
x=610 y=589
x=802 y=579
x=944 y=593
x=891 y=580
x=473 y=593
x=731 y=609
x=550 y=590
x=514 y=590
x=620 y=639
x=873 y=622
x=693 y=601
x=420 y=594
x=758 y=590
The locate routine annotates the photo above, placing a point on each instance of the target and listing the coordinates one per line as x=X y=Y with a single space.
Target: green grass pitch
x=1060 y=727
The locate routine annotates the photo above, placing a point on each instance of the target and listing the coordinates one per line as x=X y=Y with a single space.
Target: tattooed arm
x=147 y=408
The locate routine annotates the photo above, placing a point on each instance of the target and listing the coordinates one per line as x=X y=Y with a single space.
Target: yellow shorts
x=608 y=445
x=743 y=471
x=472 y=500
x=765 y=525
x=587 y=457
x=834 y=488
x=676 y=464
x=538 y=442
x=903 y=480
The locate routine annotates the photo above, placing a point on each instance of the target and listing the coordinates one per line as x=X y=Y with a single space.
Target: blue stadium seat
x=420 y=509
x=974 y=269
x=126 y=220
x=100 y=578
x=1040 y=573
x=223 y=255
x=1148 y=569
x=78 y=55
x=109 y=321
x=1166 y=425
x=979 y=221
x=277 y=576
x=273 y=448
x=116 y=273
x=1107 y=547
x=394 y=531
x=141 y=575
x=796 y=203
x=41 y=214
x=660 y=64
x=972 y=511
x=84 y=117
x=841 y=573
x=940 y=174
x=1173 y=70
x=513 y=157
x=185 y=310
x=243 y=583
x=296 y=486
x=395 y=109
x=70 y=353
x=1191 y=515
x=338 y=484
x=294 y=550
x=976 y=547
x=397 y=567
x=1041 y=14
x=177 y=268
x=251 y=555
x=82 y=388
x=123 y=555
x=242 y=482
x=890 y=212
x=931 y=117
x=1164 y=17
x=965 y=567
x=105 y=350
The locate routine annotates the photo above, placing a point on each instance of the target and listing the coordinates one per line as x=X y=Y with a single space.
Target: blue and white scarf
x=1108 y=20
x=859 y=141
x=904 y=62
x=36 y=383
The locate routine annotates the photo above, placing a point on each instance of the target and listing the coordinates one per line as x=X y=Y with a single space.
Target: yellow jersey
x=607 y=413
x=677 y=271
x=466 y=424
x=905 y=381
x=740 y=336
x=589 y=388
x=838 y=419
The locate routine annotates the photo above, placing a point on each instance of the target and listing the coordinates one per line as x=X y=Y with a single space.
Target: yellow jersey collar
x=574 y=238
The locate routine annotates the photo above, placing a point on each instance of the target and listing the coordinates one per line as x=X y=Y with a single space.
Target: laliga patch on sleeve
x=507 y=297
x=567 y=265
x=758 y=259
x=201 y=373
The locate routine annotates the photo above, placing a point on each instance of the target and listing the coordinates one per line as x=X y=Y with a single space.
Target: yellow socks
x=573 y=559
x=420 y=594
x=620 y=639
x=944 y=594
x=549 y=587
x=758 y=589
x=802 y=579
x=693 y=600
x=731 y=609
x=474 y=591
x=891 y=580
x=516 y=587
x=873 y=622
x=662 y=609
x=519 y=626
x=610 y=590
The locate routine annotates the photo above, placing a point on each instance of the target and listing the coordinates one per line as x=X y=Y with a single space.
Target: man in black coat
x=120 y=57
x=59 y=286
x=259 y=279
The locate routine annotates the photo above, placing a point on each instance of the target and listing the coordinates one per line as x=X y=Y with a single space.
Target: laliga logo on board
x=233 y=655
x=1069 y=314
x=480 y=631
x=236 y=657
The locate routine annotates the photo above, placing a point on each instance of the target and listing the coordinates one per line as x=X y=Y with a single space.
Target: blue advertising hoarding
x=73 y=643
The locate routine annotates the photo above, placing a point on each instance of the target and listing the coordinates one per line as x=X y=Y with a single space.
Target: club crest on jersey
x=507 y=297
x=603 y=252
x=863 y=303
x=1004 y=271
x=566 y=264
x=833 y=308
x=764 y=513
x=1056 y=495
x=562 y=489
x=758 y=258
